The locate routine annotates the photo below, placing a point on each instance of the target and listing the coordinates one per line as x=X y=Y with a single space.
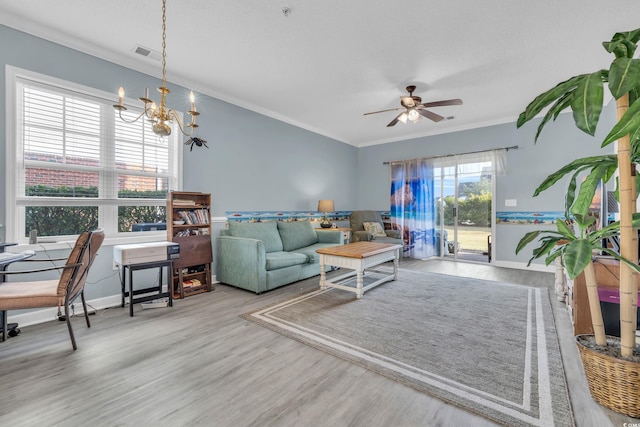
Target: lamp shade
x=325 y=206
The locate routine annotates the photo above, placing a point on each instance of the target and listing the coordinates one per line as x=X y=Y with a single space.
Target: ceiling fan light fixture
x=403 y=118
x=413 y=115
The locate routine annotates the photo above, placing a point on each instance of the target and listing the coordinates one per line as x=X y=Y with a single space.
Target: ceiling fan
x=414 y=109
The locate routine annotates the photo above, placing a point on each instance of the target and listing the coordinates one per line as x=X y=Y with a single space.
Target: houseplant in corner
x=608 y=376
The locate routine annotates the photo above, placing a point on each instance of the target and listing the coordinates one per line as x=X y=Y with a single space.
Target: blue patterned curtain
x=413 y=208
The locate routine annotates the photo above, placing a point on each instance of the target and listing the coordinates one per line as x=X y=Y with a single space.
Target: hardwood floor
x=199 y=363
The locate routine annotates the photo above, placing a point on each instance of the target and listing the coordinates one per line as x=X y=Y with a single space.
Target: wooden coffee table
x=358 y=257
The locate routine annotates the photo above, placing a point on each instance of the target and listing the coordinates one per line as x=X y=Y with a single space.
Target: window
x=76 y=166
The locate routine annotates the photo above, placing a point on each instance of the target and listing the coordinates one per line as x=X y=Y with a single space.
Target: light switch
x=510 y=202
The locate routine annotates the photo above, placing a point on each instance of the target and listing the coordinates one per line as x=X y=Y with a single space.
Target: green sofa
x=259 y=256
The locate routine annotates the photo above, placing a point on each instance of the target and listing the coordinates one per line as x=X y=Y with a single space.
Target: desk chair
x=56 y=292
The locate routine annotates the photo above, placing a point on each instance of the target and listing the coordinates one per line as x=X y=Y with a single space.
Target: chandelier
x=159 y=115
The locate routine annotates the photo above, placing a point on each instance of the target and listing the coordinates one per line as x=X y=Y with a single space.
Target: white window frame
x=107 y=207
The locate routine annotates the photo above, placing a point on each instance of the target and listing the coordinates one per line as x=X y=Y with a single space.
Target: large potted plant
x=609 y=371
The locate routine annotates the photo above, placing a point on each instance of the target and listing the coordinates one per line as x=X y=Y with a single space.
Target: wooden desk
x=358 y=257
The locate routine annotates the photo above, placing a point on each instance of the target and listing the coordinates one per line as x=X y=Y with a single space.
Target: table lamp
x=325 y=206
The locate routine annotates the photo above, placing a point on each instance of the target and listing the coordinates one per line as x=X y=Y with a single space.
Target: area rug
x=490 y=348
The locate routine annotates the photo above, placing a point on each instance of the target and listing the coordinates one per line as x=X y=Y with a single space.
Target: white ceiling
x=328 y=62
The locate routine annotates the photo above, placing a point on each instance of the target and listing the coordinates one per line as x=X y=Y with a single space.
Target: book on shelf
x=184 y=202
x=191 y=283
x=196 y=216
x=192 y=232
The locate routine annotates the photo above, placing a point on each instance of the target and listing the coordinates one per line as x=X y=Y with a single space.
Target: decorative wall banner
x=259 y=216
x=528 y=218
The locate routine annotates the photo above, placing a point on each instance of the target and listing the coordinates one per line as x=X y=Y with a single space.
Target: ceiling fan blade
x=394 y=121
x=407 y=101
x=429 y=115
x=443 y=103
x=383 y=111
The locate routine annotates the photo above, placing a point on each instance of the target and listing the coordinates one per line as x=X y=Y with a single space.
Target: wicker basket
x=614 y=383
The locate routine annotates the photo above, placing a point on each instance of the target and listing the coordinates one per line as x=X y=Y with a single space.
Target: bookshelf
x=189 y=224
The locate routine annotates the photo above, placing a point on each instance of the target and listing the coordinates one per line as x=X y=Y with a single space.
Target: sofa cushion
x=296 y=234
x=310 y=251
x=265 y=231
x=276 y=260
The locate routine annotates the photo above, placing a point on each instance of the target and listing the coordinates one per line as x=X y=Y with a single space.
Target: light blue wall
x=527 y=167
x=255 y=162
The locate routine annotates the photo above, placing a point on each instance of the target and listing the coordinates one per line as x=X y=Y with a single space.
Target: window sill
x=46 y=245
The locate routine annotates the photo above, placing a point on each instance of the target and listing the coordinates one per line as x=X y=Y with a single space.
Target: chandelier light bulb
x=121 y=96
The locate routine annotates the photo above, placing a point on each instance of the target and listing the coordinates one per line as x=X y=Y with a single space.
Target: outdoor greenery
x=71 y=220
x=60 y=220
x=474 y=204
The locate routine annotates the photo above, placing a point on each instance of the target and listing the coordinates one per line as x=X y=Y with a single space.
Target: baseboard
x=523 y=266
x=48 y=314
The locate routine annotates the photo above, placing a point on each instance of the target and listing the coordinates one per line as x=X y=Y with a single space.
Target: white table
x=358 y=257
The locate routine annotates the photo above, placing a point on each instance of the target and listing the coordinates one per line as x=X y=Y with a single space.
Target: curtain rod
x=513 y=147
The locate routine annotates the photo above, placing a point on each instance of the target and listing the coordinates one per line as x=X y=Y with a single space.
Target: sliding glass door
x=464 y=203
x=443 y=205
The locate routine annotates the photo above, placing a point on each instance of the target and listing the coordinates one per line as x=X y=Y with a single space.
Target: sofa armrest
x=241 y=262
x=393 y=233
x=330 y=236
x=362 y=236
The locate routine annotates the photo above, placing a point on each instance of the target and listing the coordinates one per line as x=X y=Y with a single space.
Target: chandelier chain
x=164 y=42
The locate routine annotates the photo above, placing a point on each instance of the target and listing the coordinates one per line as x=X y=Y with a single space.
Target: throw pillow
x=374 y=228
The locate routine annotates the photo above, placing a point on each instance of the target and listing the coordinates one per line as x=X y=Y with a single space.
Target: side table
x=156 y=290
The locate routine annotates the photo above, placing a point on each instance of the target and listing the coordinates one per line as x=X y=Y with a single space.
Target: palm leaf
x=587 y=102
x=584 y=221
x=553 y=255
x=561 y=104
x=546 y=246
x=542 y=100
x=588 y=190
x=564 y=229
x=578 y=164
x=623 y=45
x=624 y=75
x=528 y=238
x=571 y=193
x=577 y=255
x=628 y=124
